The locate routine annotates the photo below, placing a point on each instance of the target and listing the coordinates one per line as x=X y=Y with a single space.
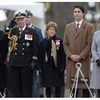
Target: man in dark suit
x=37 y=91
x=24 y=55
x=3 y=64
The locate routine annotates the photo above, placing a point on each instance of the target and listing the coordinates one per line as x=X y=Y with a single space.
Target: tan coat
x=78 y=43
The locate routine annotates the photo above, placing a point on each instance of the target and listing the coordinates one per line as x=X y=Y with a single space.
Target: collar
x=54 y=37
x=22 y=28
x=30 y=25
x=79 y=22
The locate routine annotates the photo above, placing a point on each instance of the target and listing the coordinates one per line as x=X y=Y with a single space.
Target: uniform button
x=16 y=43
x=22 y=53
x=15 y=53
x=15 y=48
x=23 y=43
x=22 y=48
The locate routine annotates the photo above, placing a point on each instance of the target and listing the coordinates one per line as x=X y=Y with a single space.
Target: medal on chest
x=28 y=37
x=27 y=44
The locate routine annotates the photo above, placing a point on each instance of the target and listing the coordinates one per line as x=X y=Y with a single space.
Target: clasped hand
x=75 y=58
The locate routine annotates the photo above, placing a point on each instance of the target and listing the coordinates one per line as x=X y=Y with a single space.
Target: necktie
x=77 y=27
x=20 y=31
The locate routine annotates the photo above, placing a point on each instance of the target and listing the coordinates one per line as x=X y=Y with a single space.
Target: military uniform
x=37 y=91
x=24 y=51
x=26 y=47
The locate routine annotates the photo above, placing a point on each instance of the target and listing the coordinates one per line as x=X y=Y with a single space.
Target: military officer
x=24 y=50
x=37 y=90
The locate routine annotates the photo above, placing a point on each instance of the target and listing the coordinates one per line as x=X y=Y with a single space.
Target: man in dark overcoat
x=3 y=63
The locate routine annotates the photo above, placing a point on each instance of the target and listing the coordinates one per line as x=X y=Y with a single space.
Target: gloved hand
x=33 y=65
x=40 y=72
x=98 y=62
x=62 y=71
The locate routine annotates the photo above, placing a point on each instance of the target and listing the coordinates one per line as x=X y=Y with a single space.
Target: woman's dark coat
x=52 y=76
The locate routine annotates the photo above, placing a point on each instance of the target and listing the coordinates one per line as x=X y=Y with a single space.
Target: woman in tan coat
x=77 y=44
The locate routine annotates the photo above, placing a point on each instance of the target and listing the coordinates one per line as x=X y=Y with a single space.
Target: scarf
x=51 y=51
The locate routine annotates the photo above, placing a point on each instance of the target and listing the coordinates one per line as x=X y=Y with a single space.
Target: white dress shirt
x=79 y=23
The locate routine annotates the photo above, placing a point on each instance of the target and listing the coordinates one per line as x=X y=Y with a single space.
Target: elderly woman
x=95 y=78
x=52 y=61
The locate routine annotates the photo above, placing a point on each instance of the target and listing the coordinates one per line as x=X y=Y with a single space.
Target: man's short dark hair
x=80 y=7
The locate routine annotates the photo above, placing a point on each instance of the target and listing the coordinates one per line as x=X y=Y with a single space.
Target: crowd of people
x=36 y=63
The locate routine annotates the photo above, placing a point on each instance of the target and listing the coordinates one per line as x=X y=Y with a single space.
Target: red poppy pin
x=83 y=27
x=26 y=31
